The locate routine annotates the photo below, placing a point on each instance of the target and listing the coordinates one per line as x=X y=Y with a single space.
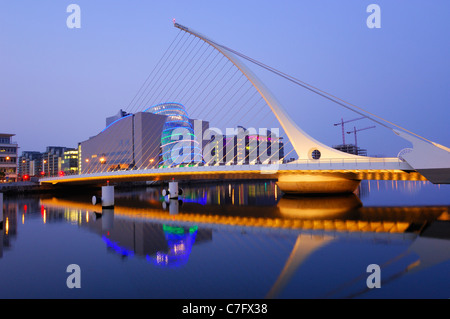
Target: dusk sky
x=57 y=85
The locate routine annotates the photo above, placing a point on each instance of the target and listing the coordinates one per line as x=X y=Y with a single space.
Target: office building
x=30 y=164
x=8 y=158
x=69 y=163
x=56 y=160
x=244 y=147
x=52 y=160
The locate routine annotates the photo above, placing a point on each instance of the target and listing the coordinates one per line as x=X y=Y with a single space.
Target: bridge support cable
x=148 y=81
x=178 y=94
x=162 y=80
x=195 y=76
x=333 y=98
x=151 y=143
x=162 y=86
x=187 y=155
x=200 y=84
x=161 y=83
x=329 y=96
x=302 y=143
x=176 y=72
x=213 y=96
x=215 y=100
x=155 y=75
x=211 y=110
x=205 y=96
x=307 y=147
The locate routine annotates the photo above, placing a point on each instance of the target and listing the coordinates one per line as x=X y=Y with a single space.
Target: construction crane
x=357 y=130
x=343 y=130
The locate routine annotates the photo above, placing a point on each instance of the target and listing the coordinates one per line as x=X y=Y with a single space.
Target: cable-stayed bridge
x=213 y=83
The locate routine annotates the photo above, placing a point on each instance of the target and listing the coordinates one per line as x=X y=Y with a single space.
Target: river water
x=230 y=240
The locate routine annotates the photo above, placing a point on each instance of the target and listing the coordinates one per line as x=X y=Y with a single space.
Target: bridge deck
x=370 y=169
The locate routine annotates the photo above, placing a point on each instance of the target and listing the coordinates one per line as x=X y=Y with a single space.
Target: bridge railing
x=346 y=161
x=302 y=164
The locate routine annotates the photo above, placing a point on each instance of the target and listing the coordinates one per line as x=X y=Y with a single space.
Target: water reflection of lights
x=310 y=207
x=180 y=241
x=199 y=200
x=297 y=221
x=43 y=214
x=118 y=249
x=414 y=187
x=235 y=194
x=75 y=216
x=404 y=186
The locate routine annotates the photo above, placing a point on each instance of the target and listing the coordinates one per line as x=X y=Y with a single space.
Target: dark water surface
x=243 y=240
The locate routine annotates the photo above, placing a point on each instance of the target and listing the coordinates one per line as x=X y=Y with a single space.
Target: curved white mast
x=303 y=144
x=430 y=159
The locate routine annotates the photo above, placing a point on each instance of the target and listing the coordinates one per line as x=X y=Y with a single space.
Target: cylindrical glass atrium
x=178 y=143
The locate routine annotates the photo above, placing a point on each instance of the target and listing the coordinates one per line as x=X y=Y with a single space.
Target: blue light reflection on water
x=39 y=242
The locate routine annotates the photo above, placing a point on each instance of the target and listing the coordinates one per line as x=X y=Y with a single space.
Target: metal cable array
x=194 y=74
x=352 y=107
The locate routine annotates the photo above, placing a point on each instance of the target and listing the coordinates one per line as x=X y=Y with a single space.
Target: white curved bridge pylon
x=429 y=158
x=302 y=143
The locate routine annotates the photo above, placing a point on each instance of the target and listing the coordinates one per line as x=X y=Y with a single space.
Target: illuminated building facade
x=245 y=147
x=8 y=158
x=134 y=141
x=30 y=164
x=53 y=159
x=69 y=164
x=178 y=142
x=131 y=141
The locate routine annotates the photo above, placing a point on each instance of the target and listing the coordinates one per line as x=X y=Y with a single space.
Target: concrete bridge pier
x=174 y=191
x=108 y=196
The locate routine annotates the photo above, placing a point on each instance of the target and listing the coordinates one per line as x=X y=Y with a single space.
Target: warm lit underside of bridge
x=320 y=176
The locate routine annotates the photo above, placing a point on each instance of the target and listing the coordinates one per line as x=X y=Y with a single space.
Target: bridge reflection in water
x=165 y=231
